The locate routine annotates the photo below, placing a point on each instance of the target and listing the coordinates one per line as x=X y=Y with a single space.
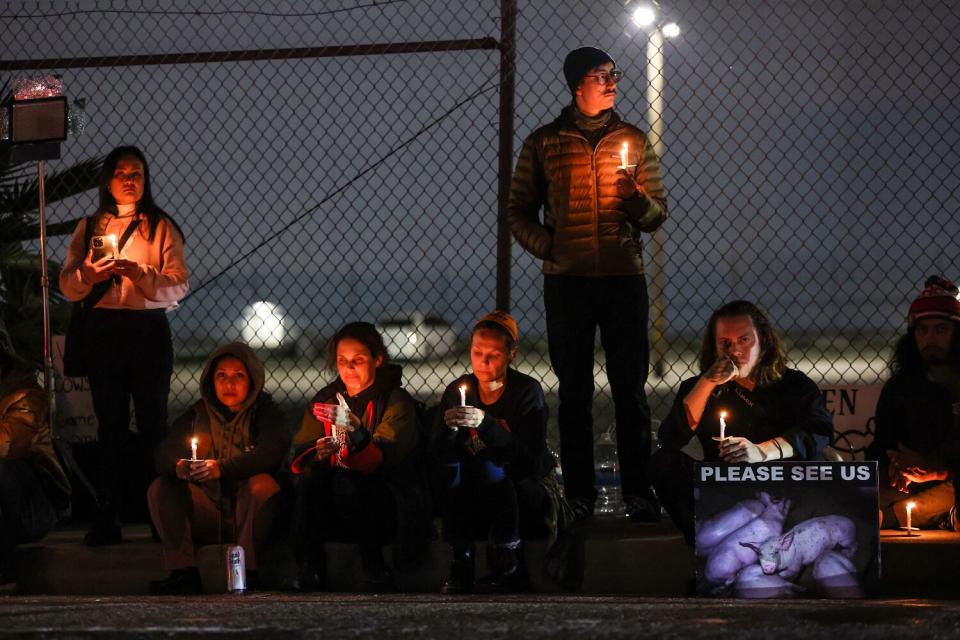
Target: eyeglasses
x=612 y=77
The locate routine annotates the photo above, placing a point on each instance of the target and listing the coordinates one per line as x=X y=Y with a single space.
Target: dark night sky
x=811 y=150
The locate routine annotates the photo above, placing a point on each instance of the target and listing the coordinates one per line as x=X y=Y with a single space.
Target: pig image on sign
x=835 y=576
x=752 y=582
x=730 y=556
x=786 y=555
x=714 y=529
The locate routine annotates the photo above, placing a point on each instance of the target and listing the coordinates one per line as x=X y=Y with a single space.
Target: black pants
x=498 y=509
x=26 y=513
x=341 y=505
x=129 y=354
x=576 y=307
x=671 y=471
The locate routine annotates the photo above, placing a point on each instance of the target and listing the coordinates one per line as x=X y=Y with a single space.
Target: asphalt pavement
x=274 y=615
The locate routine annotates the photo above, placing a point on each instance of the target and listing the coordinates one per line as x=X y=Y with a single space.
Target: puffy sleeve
x=168 y=280
x=649 y=213
x=72 y=284
x=528 y=191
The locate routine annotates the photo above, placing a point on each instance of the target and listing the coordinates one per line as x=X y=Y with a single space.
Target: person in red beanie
x=918 y=410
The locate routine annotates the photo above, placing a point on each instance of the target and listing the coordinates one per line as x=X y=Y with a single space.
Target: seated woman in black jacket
x=495 y=471
x=765 y=411
x=358 y=464
x=227 y=493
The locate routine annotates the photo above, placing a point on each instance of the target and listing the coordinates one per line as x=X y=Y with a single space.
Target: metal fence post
x=508 y=52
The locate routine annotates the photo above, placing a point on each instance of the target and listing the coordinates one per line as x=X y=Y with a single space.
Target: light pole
x=645 y=17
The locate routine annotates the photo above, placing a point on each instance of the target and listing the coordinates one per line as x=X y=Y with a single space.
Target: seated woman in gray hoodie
x=228 y=493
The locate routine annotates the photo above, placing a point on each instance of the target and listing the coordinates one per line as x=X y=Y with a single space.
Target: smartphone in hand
x=104 y=247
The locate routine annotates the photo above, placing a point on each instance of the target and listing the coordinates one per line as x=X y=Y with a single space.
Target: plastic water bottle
x=607 y=475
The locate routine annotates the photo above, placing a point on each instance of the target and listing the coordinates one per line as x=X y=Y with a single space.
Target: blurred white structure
x=264 y=325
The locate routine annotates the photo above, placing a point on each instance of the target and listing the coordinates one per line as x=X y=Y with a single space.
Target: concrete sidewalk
x=621 y=559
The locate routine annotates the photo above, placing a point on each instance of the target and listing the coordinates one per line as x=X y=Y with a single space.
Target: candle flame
x=193 y=442
x=723 y=414
x=911 y=506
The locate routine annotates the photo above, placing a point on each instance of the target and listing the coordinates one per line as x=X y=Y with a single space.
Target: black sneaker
x=516 y=581
x=103 y=532
x=180 y=582
x=642 y=510
x=377 y=576
x=507 y=573
x=310 y=578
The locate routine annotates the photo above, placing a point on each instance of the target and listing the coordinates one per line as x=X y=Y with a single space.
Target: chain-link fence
x=342 y=163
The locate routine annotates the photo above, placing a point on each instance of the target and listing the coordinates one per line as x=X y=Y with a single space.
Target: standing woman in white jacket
x=126 y=348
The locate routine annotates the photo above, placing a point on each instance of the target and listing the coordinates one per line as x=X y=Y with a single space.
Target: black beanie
x=579 y=62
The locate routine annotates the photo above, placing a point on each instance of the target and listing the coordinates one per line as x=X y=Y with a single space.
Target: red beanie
x=938 y=299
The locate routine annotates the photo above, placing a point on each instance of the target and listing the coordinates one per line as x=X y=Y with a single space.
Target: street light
x=645 y=17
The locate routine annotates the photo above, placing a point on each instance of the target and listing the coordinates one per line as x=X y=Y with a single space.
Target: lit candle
x=723 y=424
x=910 y=507
x=113 y=243
x=193 y=449
x=623 y=156
x=463 y=395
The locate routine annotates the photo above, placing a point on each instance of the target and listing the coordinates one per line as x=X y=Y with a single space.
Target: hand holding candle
x=723 y=427
x=452 y=417
x=337 y=414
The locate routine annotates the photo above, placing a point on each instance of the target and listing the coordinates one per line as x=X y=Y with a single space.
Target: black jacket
x=791 y=407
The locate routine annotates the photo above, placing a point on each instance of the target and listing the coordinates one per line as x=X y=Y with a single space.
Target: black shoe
x=377 y=577
x=642 y=510
x=103 y=532
x=311 y=576
x=566 y=559
x=507 y=573
x=461 y=572
x=180 y=582
x=515 y=582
